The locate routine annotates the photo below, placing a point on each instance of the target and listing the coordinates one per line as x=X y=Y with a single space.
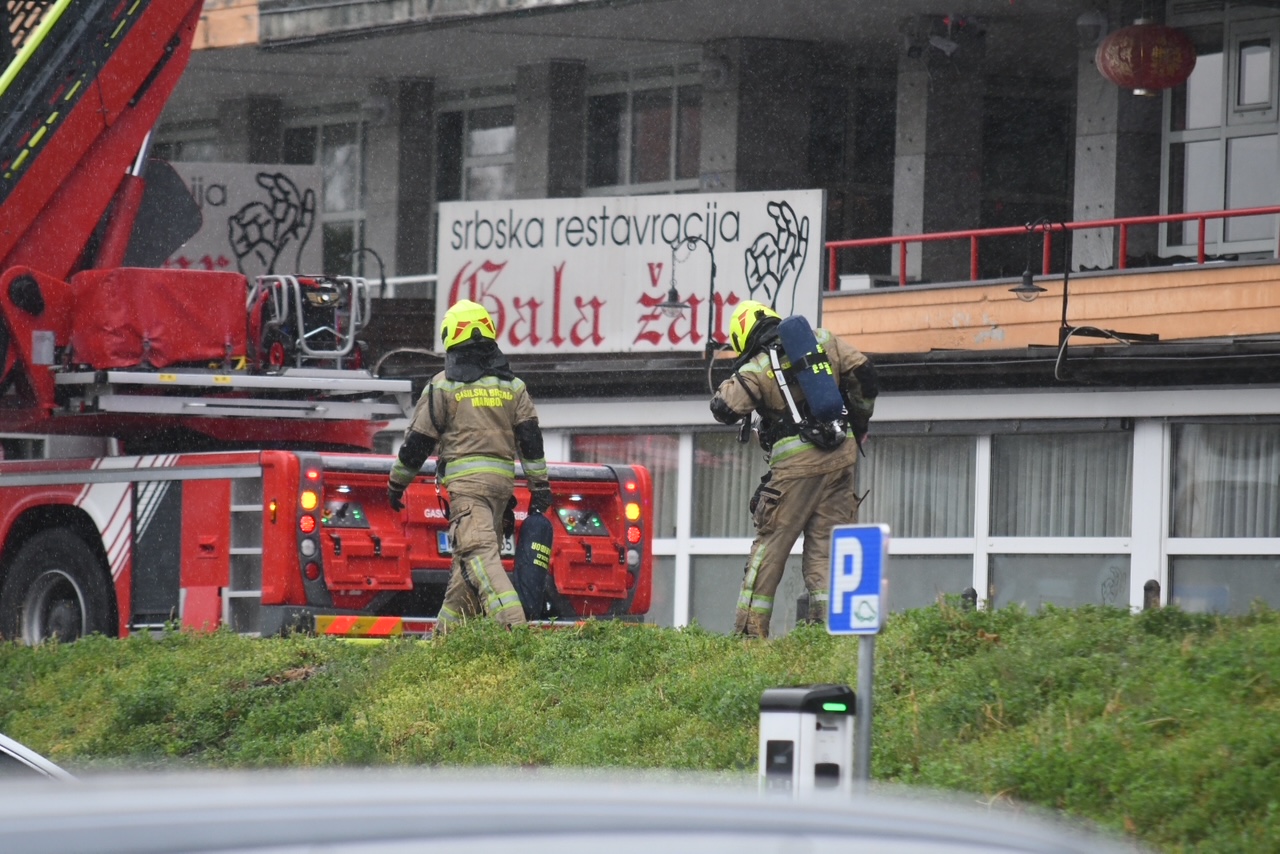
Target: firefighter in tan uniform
x=809 y=489
x=477 y=415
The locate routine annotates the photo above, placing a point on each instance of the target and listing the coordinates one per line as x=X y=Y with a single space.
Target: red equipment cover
x=127 y=317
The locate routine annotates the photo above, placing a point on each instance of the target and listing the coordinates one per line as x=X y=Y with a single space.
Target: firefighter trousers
x=785 y=509
x=478 y=583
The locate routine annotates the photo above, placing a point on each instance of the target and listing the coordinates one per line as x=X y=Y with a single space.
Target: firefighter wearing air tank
x=477 y=415
x=814 y=396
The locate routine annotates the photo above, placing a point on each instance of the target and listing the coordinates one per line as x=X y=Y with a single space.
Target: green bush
x=1162 y=725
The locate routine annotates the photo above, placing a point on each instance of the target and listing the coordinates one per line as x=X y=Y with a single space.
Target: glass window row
x=1057 y=516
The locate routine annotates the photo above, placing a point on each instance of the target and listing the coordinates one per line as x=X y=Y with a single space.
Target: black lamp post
x=674 y=307
x=1028 y=290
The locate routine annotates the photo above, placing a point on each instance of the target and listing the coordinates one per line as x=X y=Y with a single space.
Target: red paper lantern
x=1146 y=57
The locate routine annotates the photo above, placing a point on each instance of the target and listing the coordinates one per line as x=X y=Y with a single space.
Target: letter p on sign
x=846 y=572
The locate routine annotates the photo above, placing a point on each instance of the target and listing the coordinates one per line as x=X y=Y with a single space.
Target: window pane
x=659 y=453
x=725 y=475
x=300 y=146
x=12 y=448
x=918 y=581
x=1195 y=184
x=188 y=151
x=341 y=161
x=449 y=157
x=920 y=486
x=1061 y=485
x=713 y=593
x=1253 y=180
x=1198 y=102
x=689 y=133
x=714 y=583
x=486 y=183
x=1254 y=83
x=651 y=136
x=1224 y=585
x=604 y=140
x=1067 y=581
x=491 y=132
x=1226 y=480
x=662 y=605
x=340 y=240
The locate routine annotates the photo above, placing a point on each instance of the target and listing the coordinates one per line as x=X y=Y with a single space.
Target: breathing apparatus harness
x=828 y=434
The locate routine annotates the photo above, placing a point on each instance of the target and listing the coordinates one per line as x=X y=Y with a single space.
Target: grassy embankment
x=1163 y=725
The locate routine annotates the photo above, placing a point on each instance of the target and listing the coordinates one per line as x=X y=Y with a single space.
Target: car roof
x=349 y=811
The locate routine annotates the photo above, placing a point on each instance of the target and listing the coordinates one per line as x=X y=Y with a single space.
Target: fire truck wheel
x=56 y=588
x=560 y=608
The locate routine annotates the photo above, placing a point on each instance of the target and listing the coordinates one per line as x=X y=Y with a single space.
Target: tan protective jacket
x=474 y=424
x=754 y=388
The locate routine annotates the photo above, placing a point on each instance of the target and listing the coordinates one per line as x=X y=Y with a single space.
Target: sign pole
x=863 y=707
x=856 y=606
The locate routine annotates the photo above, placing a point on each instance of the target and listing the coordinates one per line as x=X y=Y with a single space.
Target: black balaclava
x=468 y=362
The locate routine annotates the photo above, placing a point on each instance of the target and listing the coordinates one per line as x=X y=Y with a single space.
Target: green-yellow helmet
x=462 y=321
x=744 y=320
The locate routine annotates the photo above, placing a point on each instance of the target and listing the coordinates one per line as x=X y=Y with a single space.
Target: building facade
x=1007 y=456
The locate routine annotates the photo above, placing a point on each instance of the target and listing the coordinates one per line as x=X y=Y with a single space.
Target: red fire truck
x=240 y=490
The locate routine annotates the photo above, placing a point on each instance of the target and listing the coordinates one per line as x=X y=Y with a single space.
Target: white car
x=19 y=761
x=398 y=811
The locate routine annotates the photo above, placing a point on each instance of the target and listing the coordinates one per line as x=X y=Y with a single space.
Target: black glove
x=395 y=496
x=755 y=496
x=539 y=499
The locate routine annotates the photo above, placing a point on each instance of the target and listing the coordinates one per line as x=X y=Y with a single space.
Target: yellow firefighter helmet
x=464 y=320
x=744 y=320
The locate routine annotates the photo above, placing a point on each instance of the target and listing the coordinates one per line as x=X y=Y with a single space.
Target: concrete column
x=755 y=115
x=938 y=154
x=550 y=129
x=415 y=238
x=1117 y=159
x=251 y=129
x=380 y=115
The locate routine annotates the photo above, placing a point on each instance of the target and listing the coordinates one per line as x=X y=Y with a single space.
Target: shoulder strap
x=431 y=410
x=782 y=384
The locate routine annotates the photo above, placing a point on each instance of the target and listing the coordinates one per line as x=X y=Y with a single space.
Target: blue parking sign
x=858 y=557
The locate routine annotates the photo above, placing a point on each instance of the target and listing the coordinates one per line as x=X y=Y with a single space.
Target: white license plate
x=508 y=548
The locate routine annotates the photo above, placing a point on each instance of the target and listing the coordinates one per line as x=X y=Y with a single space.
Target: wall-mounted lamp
x=673 y=306
x=1028 y=291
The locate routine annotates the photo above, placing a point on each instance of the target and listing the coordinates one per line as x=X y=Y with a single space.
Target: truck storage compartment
x=129 y=317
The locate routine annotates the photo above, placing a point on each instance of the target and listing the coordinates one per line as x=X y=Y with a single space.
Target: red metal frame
x=1047 y=229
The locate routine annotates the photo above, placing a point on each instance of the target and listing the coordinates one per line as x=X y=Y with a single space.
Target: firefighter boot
x=751 y=624
x=817 y=614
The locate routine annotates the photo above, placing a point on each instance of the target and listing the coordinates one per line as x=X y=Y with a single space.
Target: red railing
x=1046 y=228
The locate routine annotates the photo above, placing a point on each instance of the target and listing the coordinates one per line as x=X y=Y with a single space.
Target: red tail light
x=633 y=534
x=312 y=571
x=307 y=524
